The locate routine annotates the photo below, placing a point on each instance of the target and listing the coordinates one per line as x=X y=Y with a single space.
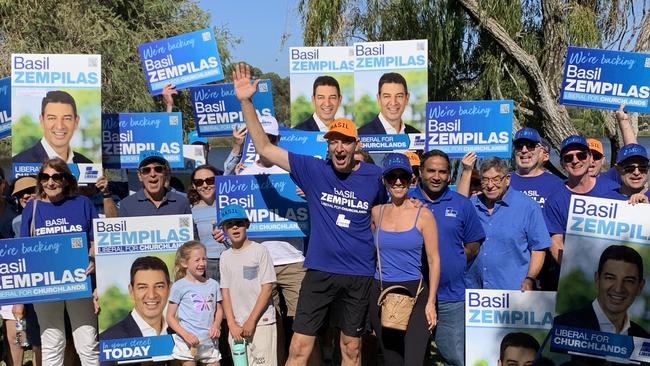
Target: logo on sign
x=90 y=173
x=645 y=349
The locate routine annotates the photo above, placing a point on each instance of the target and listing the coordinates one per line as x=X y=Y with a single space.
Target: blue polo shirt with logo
x=457 y=224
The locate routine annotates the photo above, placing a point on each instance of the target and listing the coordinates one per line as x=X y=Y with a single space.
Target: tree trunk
x=555 y=43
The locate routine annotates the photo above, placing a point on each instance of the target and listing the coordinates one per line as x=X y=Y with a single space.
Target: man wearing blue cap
x=632 y=168
x=530 y=178
x=154 y=198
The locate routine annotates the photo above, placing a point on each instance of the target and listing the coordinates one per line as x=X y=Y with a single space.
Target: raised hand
x=241 y=77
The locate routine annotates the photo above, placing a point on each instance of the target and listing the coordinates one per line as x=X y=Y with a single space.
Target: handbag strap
x=381 y=214
x=32 y=225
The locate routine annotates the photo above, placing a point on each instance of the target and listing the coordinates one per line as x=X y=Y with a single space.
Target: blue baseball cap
x=152 y=156
x=528 y=133
x=574 y=140
x=193 y=137
x=232 y=212
x=394 y=161
x=631 y=150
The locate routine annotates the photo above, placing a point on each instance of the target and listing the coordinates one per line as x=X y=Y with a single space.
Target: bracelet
x=531 y=279
x=107 y=194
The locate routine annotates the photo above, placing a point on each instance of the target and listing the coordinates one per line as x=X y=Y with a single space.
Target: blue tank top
x=401 y=253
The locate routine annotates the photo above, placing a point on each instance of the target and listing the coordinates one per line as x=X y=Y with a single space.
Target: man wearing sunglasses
x=340 y=193
x=632 y=168
x=154 y=198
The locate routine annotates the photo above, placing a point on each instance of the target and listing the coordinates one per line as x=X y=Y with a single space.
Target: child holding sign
x=195 y=301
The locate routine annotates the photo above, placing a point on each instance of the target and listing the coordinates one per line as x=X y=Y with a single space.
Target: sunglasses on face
x=231 y=223
x=25 y=192
x=147 y=169
x=530 y=145
x=597 y=156
x=44 y=177
x=199 y=182
x=629 y=169
x=391 y=178
x=582 y=155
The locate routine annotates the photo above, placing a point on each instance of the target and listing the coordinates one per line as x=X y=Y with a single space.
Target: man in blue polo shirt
x=459 y=237
x=515 y=234
x=340 y=193
x=154 y=198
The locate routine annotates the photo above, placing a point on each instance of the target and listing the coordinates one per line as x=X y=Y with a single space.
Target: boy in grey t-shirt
x=247 y=277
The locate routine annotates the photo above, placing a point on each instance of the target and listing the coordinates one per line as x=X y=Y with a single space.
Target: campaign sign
x=374 y=59
x=295 y=141
x=607 y=243
x=483 y=127
x=595 y=78
x=217 y=109
x=271 y=203
x=5 y=107
x=491 y=315
x=119 y=244
x=126 y=135
x=184 y=60
x=390 y=143
x=44 y=268
x=69 y=88
x=307 y=64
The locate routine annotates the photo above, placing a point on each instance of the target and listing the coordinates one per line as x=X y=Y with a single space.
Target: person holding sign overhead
x=59 y=120
x=393 y=97
x=340 y=193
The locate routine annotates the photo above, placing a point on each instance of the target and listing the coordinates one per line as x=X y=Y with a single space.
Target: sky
x=260 y=25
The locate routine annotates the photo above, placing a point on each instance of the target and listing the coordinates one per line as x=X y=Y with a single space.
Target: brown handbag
x=396 y=306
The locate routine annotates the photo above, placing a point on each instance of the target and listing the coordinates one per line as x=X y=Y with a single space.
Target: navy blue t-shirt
x=539 y=188
x=556 y=210
x=339 y=212
x=70 y=215
x=458 y=224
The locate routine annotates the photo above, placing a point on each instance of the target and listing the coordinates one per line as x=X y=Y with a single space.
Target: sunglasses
x=629 y=169
x=199 y=182
x=530 y=145
x=597 y=156
x=28 y=191
x=582 y=155
x=391 y=178
x=44 y=177
x=147 y=169
x=237 y=222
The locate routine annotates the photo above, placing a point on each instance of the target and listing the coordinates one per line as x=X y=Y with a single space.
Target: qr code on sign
x=504 y=108
x=173 y=120
x=263 y=88
x=184 y=222
x=647 y=62
x=206 y=36
x=420 y=46
x=76 y=243
x=93 y=62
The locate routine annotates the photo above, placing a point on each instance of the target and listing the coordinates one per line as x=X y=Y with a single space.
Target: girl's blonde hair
x=182 y=255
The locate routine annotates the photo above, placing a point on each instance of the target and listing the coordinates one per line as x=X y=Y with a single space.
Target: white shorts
x=261 y=349
x=5 y=312
x=205 y=353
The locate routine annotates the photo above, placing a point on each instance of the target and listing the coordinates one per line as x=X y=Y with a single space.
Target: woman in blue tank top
x=401 y=230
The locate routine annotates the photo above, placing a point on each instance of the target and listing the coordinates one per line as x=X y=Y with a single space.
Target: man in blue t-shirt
x=632 y=169
x=459 y=237
x=340 y=193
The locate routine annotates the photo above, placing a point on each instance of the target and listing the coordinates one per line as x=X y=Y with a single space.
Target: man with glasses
x=154 y=198
x=515 y=234
x=597 y=156
x=530 y=178
x=632 y=168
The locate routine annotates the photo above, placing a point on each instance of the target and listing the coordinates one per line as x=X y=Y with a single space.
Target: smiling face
x=494 y=184
x=633 y=172
x=53 y=184
x=59 y=123
x=397 y=183
x=153 y=177
x=341 y=150
x=149 y=292
x=618 y=285
x=205 y=189
x=527 y=155
x=434 y=175
x=576 y=161
x=393 y=99
x=196 y=262
x=326 y=100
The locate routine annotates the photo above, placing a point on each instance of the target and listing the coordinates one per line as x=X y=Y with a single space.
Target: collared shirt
x=52 y=154
x=605 y=324
x=146 y=329
x=458 y=224
x=321 y=125
x=512 y=231
x=138 y=204
x=390 y=130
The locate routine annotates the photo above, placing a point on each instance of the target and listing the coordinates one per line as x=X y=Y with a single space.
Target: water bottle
x=21 y=333
x=239 y=357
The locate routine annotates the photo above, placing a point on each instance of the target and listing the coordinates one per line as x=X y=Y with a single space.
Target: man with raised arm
x=340 y=193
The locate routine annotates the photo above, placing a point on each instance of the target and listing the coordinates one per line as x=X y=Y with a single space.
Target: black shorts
x=346 y=294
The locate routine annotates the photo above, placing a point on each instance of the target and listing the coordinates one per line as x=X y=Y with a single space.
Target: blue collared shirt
x=514 y=229
x=458 y=224
x=138 y=204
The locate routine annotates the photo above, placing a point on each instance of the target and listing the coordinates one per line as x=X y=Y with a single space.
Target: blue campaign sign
x=397 y=142
x=295 y=141
x=271 y=203
x=126 y=135
x=604 y=79
x=591 y=342
x=157 y=348
x=217 y=109
x=5 y=107
x=184 y=60
x=44 y=268
x=456 y=128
